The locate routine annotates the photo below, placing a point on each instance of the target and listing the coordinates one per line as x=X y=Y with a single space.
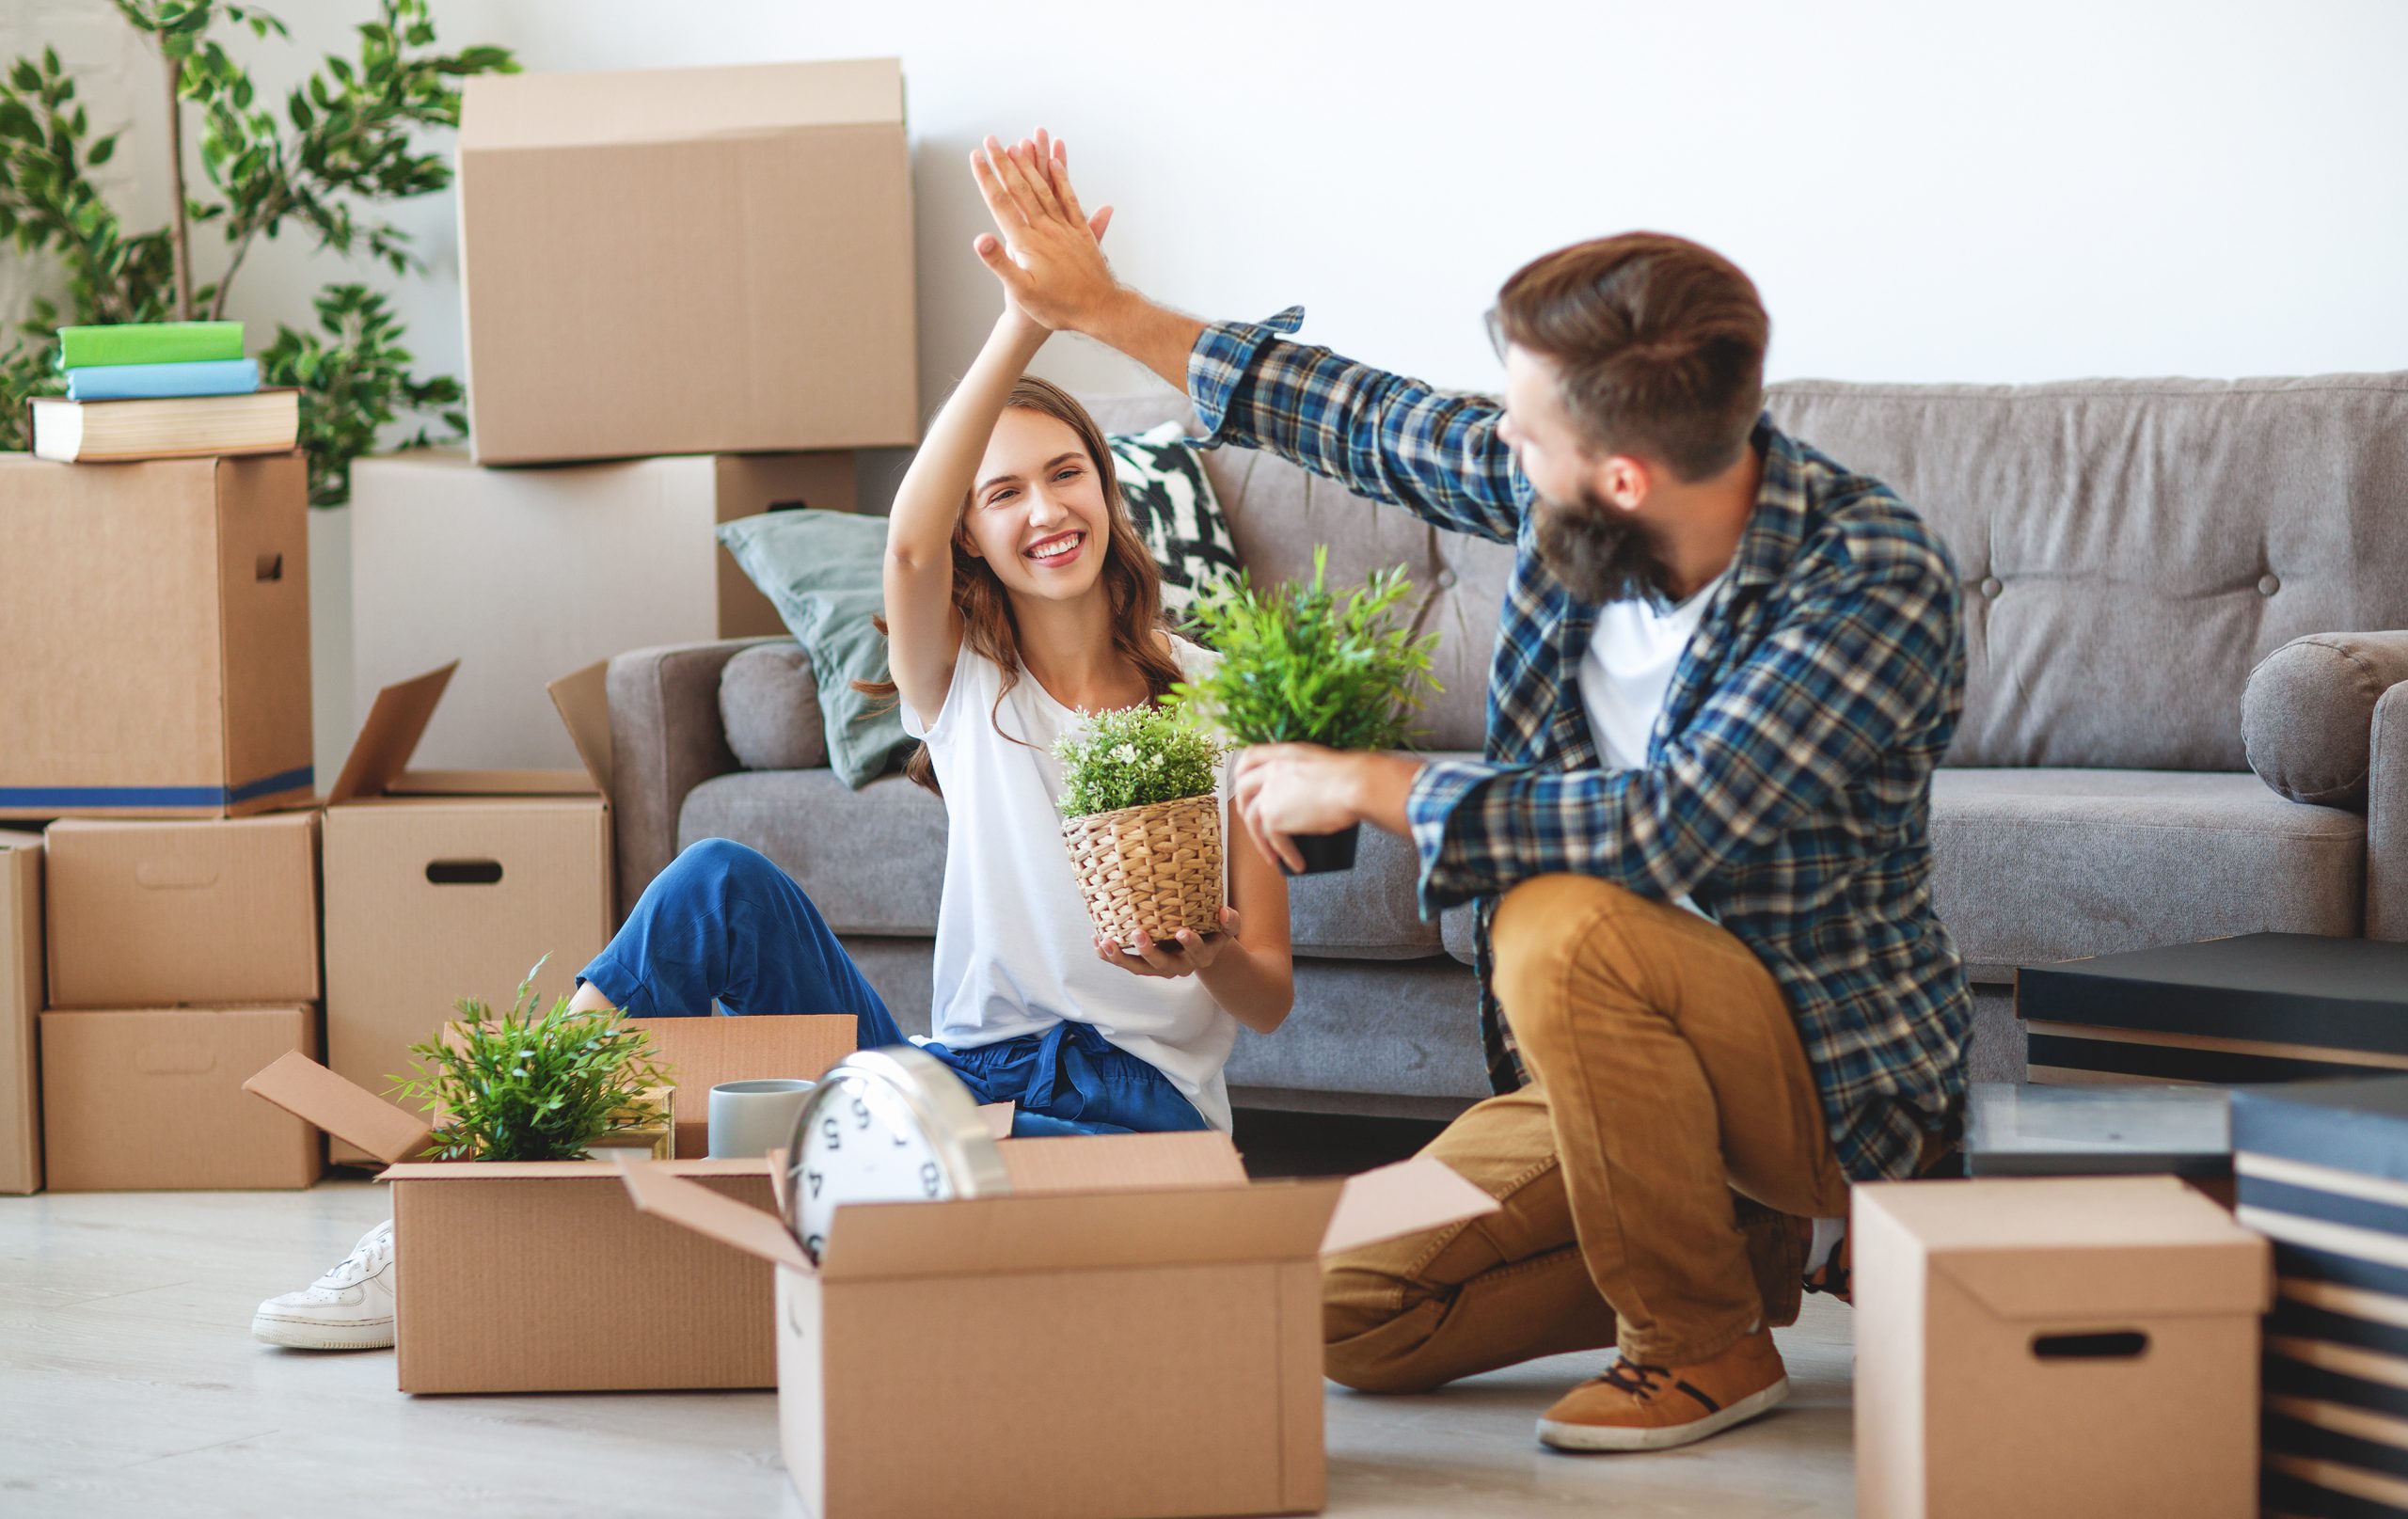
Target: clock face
x=870 y=1137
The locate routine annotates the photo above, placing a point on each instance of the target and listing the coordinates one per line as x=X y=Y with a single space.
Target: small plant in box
x=1142 y=819
x=534 y=1087
x=1301 y=664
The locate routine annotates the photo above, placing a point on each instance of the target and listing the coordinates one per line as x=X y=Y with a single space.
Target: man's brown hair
x=1660 y=343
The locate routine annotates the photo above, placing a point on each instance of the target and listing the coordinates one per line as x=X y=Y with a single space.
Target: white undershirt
x=1015 y=951
x=1627 y=671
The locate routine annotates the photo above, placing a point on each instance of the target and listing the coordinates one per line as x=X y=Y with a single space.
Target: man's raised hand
x=1048 y=256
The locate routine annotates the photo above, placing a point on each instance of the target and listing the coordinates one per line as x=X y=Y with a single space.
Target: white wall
x=1924 y=191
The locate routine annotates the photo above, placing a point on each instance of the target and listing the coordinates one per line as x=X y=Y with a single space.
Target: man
x=1711 y=987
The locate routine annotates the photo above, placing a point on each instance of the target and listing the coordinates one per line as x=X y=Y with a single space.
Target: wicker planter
x=1156 y=867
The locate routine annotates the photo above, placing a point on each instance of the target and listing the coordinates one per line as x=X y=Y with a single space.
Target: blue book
x=139 y=382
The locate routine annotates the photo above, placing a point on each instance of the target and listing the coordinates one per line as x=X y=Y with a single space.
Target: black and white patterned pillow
x=1171 y=501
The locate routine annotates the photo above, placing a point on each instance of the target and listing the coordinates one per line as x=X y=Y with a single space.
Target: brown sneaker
x=1639 y=1407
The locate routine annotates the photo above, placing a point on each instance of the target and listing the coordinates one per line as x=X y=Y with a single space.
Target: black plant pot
x=1325 y=852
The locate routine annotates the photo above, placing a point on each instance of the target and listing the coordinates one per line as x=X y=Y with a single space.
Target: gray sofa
x=2166 y=583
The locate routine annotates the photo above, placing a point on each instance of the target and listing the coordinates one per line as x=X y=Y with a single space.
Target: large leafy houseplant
x=1302 y=664
x=1141 y=815
x=533 y=1085
x=346 y=138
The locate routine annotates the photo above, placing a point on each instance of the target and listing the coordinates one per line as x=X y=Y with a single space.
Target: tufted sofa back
x=2129 y=548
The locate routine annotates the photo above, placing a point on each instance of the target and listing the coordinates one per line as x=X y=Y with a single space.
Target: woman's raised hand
x=1048 y=255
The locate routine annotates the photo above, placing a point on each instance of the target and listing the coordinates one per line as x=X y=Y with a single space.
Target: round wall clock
x=886 y=1125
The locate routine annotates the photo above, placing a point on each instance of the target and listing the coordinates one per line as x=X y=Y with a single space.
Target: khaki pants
x=1647 y=1174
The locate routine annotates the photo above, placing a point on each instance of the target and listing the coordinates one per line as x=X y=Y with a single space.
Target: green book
x=149 y=342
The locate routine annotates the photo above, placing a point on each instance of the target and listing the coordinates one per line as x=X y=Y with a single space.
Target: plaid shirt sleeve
x=1382 y=435
x=1862 y=658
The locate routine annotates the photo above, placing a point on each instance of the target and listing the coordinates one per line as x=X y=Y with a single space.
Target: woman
x=1018 y=595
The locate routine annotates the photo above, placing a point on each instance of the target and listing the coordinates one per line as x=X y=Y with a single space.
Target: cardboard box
x=151 y=1099
x=446 y=884
x=155 y=914
x=2060 y=1346
x=20 y=978
x=1191 y=1386
x=2320 y=1167
x=742 y=279
x=2253 y=1008
x=156 y=619
x=521 y=574
x=483 y=1246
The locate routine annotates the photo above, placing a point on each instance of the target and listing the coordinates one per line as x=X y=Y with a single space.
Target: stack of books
x=161 y=390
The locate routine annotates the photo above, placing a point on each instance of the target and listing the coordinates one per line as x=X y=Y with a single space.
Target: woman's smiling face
x=1037 y=515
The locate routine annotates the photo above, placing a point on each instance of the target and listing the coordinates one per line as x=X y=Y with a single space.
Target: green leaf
x=102 y=151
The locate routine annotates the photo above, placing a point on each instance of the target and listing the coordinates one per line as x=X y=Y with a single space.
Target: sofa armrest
x=2308 y=714
x=667 y=737
x=2388 y=817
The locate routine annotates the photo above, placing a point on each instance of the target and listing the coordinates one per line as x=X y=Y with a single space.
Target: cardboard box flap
x=313 y=1094
x=2104 y=1283
x=2082 y=1249
x=998 y=1118
x=700 y=1052
x=395 y=723
x=1122 y=1163
x=658 y=1190
x=983 y=1236
x=1405 y=1198
x=588 y=110
x=583 y=700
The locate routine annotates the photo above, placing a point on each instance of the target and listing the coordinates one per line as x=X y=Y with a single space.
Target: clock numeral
x=928 y=1178
x=814 y=1244
x=815 y=1178
x=828 y=1132
x=901 y=1141
x=860 y=1113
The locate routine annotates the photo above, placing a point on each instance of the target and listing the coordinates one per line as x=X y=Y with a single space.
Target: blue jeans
x=724 y=924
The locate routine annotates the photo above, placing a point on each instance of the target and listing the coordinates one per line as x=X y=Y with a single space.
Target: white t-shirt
x=1633 y=653
x=1014 y=949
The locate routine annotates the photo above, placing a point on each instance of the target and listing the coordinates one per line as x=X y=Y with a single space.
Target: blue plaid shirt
x=1787 y=788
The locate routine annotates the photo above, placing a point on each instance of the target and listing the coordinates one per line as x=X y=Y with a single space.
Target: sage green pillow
x=824 y=571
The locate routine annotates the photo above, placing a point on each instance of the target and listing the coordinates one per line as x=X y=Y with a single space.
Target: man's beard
x=1598 y=558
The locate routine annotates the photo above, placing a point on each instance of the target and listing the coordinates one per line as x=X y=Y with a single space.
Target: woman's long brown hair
x=1130 y=580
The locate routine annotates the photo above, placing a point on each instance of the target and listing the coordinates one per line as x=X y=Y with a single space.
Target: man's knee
x=1544 y=931
x=1373 y=1337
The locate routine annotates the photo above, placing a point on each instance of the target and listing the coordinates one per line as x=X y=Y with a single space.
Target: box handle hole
x=271 y=567
x=2118 y=1345
x=463 y=872
x=798 y=504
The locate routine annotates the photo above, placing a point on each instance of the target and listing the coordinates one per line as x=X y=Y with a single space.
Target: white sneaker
x=349 y=1308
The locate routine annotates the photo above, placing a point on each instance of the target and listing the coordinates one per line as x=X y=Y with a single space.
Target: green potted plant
x=536 y=1087
x=1141 y=815
x=1301 y=664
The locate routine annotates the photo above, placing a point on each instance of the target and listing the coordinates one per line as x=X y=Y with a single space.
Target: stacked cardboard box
x=737 y=318
x=156 y=616
x=181 y=954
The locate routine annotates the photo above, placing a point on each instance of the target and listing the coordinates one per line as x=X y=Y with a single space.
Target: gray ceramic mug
x=751 y=1118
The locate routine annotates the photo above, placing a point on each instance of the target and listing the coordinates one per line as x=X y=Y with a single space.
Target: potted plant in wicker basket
x=537 y=1087
x=1301 y=664
x=1142 y=818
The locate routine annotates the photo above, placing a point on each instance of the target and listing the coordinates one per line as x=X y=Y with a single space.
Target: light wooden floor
x=128 y=1385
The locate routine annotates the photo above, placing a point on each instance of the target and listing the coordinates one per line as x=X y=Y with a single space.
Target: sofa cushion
x=872 y=860
x=1172 y=504
x=2307 y=715
x=1369 y=912
x=1410 y=1030
x=2130 y=548
x=768 y=702
x=2038 y=865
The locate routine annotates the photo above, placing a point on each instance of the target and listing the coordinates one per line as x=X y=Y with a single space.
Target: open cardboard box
x=1133 y=1333
x=444 y=884
x=484 y=1248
